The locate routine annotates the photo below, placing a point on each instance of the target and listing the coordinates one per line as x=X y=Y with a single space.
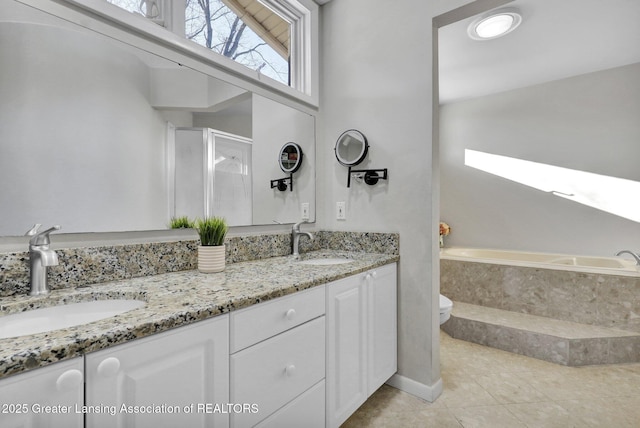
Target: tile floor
x=489 y=388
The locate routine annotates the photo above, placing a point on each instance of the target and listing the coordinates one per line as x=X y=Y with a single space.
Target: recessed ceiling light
x=494 y=24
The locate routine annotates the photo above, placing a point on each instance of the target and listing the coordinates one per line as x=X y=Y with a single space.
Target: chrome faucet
x=634 y=255
x=295 y=238
x=40 y=257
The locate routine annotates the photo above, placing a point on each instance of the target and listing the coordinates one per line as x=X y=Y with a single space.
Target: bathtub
x=601 y=265
x=601 y=291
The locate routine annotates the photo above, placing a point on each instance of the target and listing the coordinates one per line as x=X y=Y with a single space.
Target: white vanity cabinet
x=308 y=359
x=361 y=339
x=278 y=362
x=166 y=380
x=47 y=397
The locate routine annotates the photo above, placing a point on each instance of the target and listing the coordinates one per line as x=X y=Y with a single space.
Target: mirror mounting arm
x=281 y=183
x=371 y=176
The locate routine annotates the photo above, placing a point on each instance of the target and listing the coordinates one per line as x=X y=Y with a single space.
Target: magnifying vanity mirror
x=290 y=157
x=351 y=149
x=290 y=160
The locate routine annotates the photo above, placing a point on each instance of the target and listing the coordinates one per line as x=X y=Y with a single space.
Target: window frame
x=302 y=15
x=299 y=18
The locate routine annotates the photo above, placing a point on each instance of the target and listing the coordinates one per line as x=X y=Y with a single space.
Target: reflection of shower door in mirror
x=232 y=195
x=212 y=175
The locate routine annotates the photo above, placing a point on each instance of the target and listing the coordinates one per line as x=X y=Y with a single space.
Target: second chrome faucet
x=40 y=257
x=295 y=239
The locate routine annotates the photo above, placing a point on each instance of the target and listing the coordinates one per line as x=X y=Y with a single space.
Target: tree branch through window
x=212 y=24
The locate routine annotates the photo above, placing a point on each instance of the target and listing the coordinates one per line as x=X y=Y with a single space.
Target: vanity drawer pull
x=290 y=314
x=69 y=380
x=109 y=367
x=290 y=370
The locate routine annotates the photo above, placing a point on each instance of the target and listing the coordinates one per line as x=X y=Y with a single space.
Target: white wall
x=588 y=122
x=77 y=129
x=376 y=62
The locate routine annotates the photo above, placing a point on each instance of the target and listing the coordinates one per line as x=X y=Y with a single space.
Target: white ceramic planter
x=211 y=258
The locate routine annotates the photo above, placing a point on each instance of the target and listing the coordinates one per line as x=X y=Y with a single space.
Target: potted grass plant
x=181 y=223
x=211 y=252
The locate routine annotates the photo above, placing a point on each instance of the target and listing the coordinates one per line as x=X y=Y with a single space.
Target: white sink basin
x=325 y=262
x=63 y=316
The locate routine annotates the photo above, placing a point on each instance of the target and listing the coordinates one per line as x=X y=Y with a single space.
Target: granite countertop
x=172 y=300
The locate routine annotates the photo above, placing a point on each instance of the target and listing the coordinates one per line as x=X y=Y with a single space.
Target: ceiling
x=556 y=39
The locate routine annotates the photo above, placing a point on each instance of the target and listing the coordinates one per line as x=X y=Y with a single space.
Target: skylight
x=613 y=195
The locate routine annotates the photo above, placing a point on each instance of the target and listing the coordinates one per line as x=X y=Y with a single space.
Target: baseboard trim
x=420 y=390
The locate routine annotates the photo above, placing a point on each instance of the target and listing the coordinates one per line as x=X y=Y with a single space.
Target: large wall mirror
x=88 y=133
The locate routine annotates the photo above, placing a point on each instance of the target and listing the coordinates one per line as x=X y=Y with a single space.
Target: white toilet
x=445 y=309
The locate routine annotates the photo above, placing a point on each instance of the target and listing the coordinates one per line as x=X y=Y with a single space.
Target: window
x=244 y=30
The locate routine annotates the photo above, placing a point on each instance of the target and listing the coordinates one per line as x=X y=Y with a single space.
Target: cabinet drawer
x=305 y=411
x=275 y=371
x=252 y=325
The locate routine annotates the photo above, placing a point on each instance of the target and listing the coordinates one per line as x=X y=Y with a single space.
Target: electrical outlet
x=304 y=210
x=341 y=211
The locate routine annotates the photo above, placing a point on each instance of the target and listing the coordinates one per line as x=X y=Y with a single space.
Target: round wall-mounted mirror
x=290 y=157
x=351 y=147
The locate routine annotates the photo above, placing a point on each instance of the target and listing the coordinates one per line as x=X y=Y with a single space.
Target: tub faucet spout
x=634 y=255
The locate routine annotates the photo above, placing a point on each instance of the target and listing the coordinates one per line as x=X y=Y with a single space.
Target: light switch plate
x=341 y=211
x=304 y=210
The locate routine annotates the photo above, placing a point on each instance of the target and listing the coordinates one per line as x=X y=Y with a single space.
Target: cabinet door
x=167 y=380
x=50 y=397
x=382 y=326
x=346 y=348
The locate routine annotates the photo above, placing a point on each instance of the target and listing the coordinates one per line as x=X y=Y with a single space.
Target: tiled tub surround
x=91 y=265
x=173 y=299
x=588 y=298
x=570 y=318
